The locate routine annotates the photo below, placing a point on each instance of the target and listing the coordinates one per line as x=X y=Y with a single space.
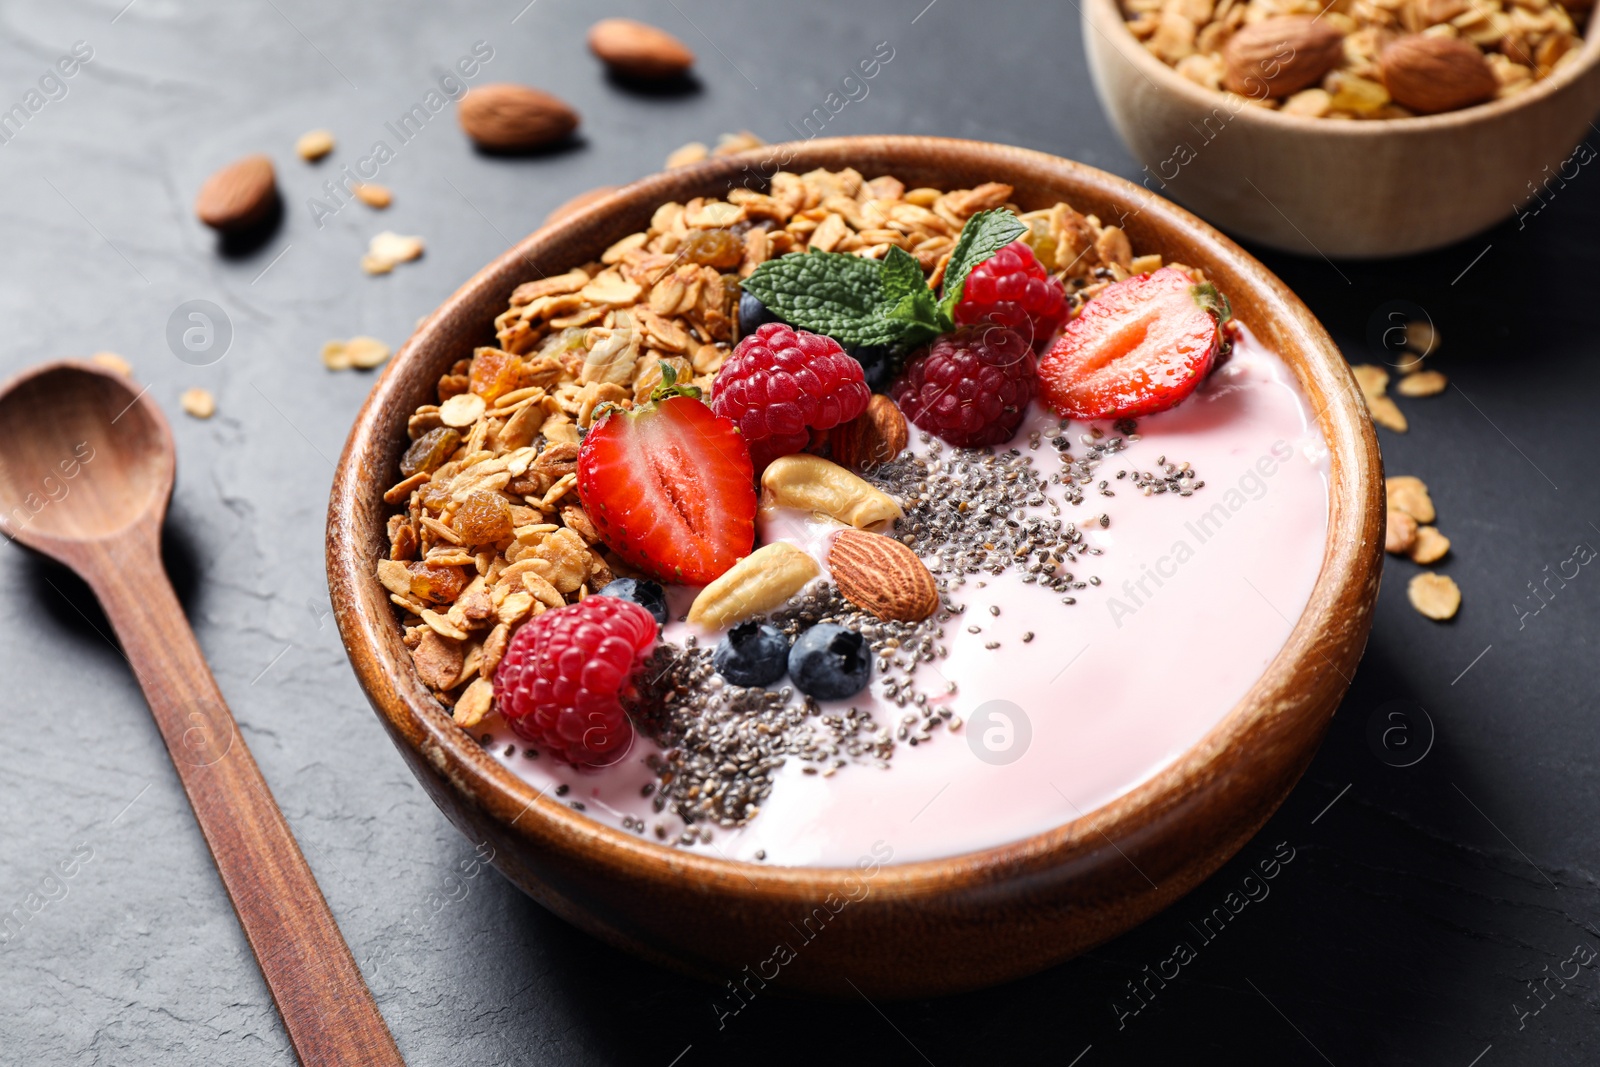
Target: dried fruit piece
x=1409 y=495
x=313 y=145
x=239 y=196
x=1400 y=532
x=502 y=117
x=429 y=451
x=713 y=248
x=883 y=576
x=639 y=50
x=441 y=585
x=494 y=373
x=1435 y=595
x=198 y=402
x=757 y=584
x=1430 y=547
x=484 y=518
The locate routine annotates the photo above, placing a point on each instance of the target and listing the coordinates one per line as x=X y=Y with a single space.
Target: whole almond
x=875 y=436
x=1279 y=56
x=639 y=50
x=238 y=196
x=1433 y=74
x=502 y=117
x=879 y=574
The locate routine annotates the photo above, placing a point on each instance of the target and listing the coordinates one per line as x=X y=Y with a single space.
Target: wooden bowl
x=921 y=928
x=1332 y=188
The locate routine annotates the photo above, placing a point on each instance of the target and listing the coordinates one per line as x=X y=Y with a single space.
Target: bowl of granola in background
x=1294 y=135
x=910 y=929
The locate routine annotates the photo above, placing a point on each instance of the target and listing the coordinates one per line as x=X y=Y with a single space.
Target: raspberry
x=970 y=387
x=782 y=383
x=1011 y=288
x=563 y=676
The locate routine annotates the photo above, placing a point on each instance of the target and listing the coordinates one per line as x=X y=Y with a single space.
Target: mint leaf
x=985 y=233
x=830 y=293
x=918 y=315
x=901 y=274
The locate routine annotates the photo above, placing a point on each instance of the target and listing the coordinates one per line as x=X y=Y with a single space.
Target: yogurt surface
x=1187 y=602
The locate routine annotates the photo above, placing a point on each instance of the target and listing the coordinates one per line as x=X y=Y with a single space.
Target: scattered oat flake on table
x=361 y=352
x=1435 y=595
x=1372 y=379
x=372 y=195
x=1407 y=362
x=1399 y=533
x=1422 y=383
x=1408 y=494
x=1430 y=545
x=198 y=402
x=112 y=362
x=314 y=145
x=1421 y=337
x=387 y=249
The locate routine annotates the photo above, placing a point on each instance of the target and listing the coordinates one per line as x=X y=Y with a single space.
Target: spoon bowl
x=86 y=458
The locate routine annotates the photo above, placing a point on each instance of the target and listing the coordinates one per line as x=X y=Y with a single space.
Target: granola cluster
x=1522 y=41
x=489 y=530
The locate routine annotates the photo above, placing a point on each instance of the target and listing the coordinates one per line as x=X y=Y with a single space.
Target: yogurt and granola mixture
x=725 y=545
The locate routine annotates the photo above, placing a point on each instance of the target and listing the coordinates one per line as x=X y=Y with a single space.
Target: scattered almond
x=1430 y=74
x=1430 y=547
x=762 y=581
x=502 y=117
x=362 y=352
x=578 y=203
x=1399 y=532
x=1279 y=56
x=1434 y=595
x=375 y=196
x=198 y=402
x=239 y=196
x=879 y=574
x=314 y=145
x=112 y=362
x=639 y=50
x=388 y=249
x=1422 y=383
x=1408 y=494
x=876 y=436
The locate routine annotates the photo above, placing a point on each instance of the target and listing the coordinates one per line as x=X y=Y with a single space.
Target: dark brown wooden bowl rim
x=1329 y=634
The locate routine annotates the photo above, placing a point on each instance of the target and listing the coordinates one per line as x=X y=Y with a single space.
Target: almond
x=879 y=574
x=1432 y=74
x=513 y=118
x=1279 y=56
x=639 y=50
x=875 y=436
x=239 y=196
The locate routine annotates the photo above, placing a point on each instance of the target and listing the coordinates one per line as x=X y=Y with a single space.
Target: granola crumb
x=388 y=249
x=1435 y=595
x=313 y=145
x=360 y=352
x=1422 y=383
x=1430 y=545
x=112 y=362
x=374 y=196
x=198 y=402
x=1400 y=532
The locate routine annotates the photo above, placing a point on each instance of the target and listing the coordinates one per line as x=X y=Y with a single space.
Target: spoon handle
x=326 y=1006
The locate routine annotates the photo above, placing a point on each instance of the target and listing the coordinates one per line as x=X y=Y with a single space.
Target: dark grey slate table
x=1427 y=916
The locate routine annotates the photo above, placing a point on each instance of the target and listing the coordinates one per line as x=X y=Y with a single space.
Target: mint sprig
x=860 y=301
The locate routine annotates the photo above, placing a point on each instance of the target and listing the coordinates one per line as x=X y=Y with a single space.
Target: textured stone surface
x=1416 y=907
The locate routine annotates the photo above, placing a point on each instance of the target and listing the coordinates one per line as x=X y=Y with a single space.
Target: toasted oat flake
x=377 y=196
x=1430 y=546
x=363 y=352
x=1372 y=379
x=1422 y=383
x=1421 y=337
x=314 y=145
x=1435 y=595
x=112 y=362
x=198 y=402
x=387 y=249
x=1400 y=532
x=1387 y=413
x=462 y=410
x=1408 y=494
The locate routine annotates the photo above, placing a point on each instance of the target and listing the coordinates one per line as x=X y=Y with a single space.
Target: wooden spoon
x=85 y=475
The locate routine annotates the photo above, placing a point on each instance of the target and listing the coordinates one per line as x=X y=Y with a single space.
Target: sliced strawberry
x=1140 y=346
x=670 y=488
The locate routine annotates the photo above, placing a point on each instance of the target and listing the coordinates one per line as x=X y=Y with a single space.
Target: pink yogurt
x=1197 y=595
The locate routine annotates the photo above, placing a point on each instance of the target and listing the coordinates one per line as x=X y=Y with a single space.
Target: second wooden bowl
x=917 y=928
x=1331 y=188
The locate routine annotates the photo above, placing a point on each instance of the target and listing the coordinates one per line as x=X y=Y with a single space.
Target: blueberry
x=753 y=314
x=641 y=591
x=829 y=662
x=877 y=363
x=752 y=654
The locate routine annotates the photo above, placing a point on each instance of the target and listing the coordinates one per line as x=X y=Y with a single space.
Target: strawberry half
x=669 y=486
x=1139 y=347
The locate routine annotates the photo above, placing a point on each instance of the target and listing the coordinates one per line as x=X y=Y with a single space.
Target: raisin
x=713 y=248
x=483 y=519
x=494 y=373
x=441 y=585
x=429 y=451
